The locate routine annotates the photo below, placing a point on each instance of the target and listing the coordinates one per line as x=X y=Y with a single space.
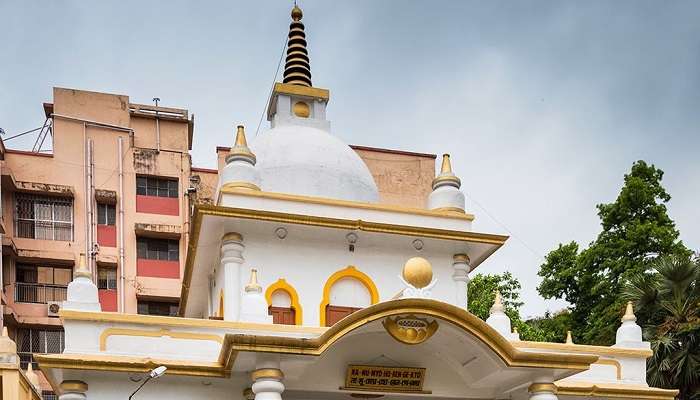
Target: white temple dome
x=308 y=161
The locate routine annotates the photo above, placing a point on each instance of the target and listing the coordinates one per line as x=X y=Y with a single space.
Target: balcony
x=39 y=293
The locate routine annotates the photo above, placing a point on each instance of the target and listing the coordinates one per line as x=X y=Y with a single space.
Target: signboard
x=384 y=379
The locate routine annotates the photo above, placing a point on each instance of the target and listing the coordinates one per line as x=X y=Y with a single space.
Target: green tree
x=668 y=300
x=482 y=292
x=635 y=229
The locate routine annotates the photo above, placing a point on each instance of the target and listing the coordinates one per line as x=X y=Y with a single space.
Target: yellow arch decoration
x=349 y=272
x=282 y=284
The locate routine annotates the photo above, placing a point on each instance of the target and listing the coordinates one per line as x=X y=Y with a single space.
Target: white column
x=73 y=390
x=231 y=262
x=543 y=391
x=267 y=378
x=461 y=278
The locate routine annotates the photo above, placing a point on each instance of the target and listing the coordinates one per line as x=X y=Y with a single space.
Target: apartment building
x=118 y=186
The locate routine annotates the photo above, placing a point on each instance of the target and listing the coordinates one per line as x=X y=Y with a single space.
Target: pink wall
x=158 y=268
x=157 y=205
x=107 y=235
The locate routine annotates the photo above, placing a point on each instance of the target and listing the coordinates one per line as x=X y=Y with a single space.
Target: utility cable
x=272 y=86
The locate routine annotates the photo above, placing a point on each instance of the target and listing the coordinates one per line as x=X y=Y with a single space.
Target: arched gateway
x=293 y=208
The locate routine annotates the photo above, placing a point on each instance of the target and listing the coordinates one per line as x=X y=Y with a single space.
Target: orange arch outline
x=348 y=272
x=282 y=284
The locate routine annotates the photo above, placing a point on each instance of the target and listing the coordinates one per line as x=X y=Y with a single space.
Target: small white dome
x=308 y=161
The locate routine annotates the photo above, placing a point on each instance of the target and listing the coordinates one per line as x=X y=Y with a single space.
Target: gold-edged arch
x=459 y=317
x=348 y=272
x=282 y=284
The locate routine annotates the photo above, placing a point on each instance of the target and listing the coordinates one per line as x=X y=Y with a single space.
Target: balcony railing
x=39 y=292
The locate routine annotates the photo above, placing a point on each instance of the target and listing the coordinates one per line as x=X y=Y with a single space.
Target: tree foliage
x=635 y=229
x=482 y=292
x=668 y=308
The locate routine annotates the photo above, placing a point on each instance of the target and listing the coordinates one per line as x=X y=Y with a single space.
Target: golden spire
x=297 y=70
x=82 y=270
x=253 y=285
x=446 y=176
x=240 y=150
x=629 y=313
x=446 y=164
x=569 y=339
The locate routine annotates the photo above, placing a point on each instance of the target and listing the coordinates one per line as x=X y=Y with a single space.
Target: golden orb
x=418 y=272
x=301 y=109
x=296 y=13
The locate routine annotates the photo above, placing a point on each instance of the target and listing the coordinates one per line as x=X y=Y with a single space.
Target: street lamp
x=155 y=373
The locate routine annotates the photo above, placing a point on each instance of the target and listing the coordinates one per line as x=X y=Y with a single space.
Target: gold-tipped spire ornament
x=297 y=69
x=240 y=149
x=446 y=176
x=497 y=303
x=82 y=271
x=253 y=285
x=629 y=313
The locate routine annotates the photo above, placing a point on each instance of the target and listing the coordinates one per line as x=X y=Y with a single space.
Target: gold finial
x=446 y=176
x=629 y=313
x=253 y=285
x=569 y=339
x=82 y=271
x=240 y=150
x=418 y=272
x=297 y=69
x=446 y=164
x=240 y=137
x=296 y=13
x=497 y=303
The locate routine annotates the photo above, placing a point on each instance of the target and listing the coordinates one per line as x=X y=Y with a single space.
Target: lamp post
x=155 y=373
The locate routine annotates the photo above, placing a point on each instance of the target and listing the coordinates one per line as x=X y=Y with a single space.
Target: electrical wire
x=272 y=86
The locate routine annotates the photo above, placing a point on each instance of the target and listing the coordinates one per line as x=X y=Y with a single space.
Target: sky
x=544 y=105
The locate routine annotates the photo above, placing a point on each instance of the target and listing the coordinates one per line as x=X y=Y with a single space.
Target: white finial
x=569 y=339
x=498 y=319
x=32 y=377
x=629 y=334
x=254 y=307
x=446 y=194
x=240 y=171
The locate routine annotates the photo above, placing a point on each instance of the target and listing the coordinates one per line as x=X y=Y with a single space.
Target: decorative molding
x=542 y=387
x=201 y=210
x=269 y=373
x=586 y=349
x=282 y=284
x=614 y=391
x=348 y=272
x=74 y=386
x=410 y=329
x=159 y=333
x=614 y=363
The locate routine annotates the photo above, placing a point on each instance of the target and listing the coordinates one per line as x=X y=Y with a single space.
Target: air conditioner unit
x=53 y=307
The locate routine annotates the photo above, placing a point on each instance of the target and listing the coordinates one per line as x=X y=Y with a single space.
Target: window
x=152 y=186
x=43 y=217
x=31 y=341
x=39 y=284
x=48 y=395
x=157 y=308
x=157 y=249
x=106 y=214
x=107 y=278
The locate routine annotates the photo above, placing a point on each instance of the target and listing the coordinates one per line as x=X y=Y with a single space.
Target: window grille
x=152 y=186
x=31 y=341
x=157 y=308
x=106 y=214
x=43 y=217
x=48 y=395
x=107 y=278
x=157 y=249
x=39 y=284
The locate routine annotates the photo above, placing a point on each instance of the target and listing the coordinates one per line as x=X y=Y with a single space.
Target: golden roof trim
x=586 y=349
x=619 y=391
x=112 y=317
x=445 y=213
x=131 y=364
x=303 y=91
x=459 y=317
x=201 y=210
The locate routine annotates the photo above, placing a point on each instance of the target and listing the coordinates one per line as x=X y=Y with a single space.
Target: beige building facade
x=118 y=185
